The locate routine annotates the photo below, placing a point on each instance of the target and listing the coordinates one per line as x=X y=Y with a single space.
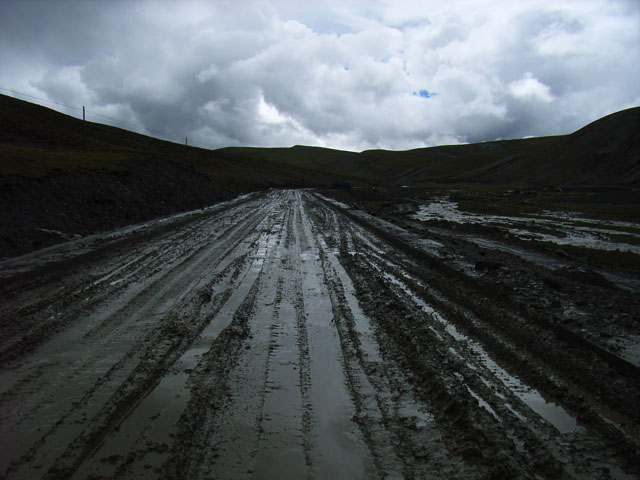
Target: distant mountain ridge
x=606 y=152
x=603 y=153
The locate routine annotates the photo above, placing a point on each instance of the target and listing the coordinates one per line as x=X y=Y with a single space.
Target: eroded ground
x=282 y=335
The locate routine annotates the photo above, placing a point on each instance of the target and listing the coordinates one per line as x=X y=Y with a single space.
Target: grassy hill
x=36 y=142
x=61 y=176
x=605 y=153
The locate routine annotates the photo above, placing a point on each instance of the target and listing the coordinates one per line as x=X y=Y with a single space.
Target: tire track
x=210 y=418
x=81 y=288
x=399 y=427
x=529 y=440
x=108 y=374
x=278 y=338
x=338 y=447
x=220 y=322
x=522 y=411
x=134 y=442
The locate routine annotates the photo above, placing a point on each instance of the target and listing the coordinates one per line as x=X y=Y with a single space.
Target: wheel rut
x=280 y=336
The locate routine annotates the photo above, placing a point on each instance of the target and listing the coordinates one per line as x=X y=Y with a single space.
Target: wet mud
x=284 y=335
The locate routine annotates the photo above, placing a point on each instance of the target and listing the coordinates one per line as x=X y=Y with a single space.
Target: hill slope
x=36 y=141
x=605 y=153
x=60 y=176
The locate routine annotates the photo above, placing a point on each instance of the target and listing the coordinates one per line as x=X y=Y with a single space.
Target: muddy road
x=280 y=335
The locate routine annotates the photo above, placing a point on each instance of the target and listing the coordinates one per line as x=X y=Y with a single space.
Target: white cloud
x=331 y=73
x=530 y=88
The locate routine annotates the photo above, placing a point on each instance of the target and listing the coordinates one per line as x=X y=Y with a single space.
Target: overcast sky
x=345 y=74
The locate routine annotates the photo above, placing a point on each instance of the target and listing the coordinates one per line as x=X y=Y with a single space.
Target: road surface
x=281 y=336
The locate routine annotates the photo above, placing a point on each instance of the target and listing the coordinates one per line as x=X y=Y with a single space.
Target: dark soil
x=38 y=212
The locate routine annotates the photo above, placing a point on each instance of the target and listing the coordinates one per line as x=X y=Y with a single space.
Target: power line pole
x=185 y=142
x=83 y=118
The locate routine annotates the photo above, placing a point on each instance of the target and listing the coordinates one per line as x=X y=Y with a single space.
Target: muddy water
x=338 y=442
x=155 y=417
x=77 y=370
x=550 y=411
x=281 y=445
x=567 y=229
x=239 y=345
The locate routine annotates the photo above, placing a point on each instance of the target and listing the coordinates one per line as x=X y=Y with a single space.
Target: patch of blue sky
x=424 y=94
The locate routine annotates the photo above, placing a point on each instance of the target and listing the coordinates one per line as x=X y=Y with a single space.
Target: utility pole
x=185 y=142
x=83 y=117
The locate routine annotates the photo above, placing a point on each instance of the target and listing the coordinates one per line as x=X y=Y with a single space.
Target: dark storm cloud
x=340 y=74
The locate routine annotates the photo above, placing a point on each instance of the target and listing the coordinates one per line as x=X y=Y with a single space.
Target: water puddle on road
x=361 y=323
x=483 y=403
x=281 y=444
x=551 y=412
x=538 y=258
x=150 y=425
x=338 y=450
x=561 y=228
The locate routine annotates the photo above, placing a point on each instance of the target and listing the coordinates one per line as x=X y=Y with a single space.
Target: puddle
x=361 y=323
x=534 y=257
x=334 y=202
x=621 y=281
x=567 y=228
x=339 y=451
x=280 y=446
x=553 y=413
x=482 y=402
x=155 y=417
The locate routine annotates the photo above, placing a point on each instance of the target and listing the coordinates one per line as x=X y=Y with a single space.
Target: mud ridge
x=211 y=390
